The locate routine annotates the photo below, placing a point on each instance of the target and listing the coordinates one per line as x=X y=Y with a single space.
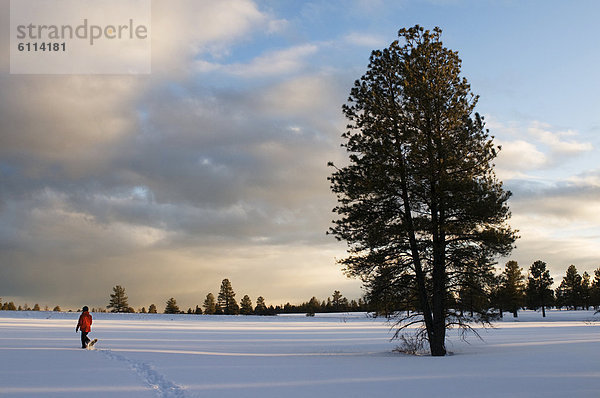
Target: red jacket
x=85 y=322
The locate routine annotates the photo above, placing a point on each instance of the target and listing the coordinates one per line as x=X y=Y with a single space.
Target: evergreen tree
x=569 y=292
x=209 y=304
x=171 y=307
x=198 y=310
x=246 y=306
x=496 y=295
x=595 y=290
x=226 y=299
x=362 y=304
x=56 y=309
x=420 y=193
x=143 y=310
x=118 y=300
x=513 y=287
x=538 y=290
x=389 y=292
x=476 y=281
x=586 y=291
x=336 y=300
x=328 y=305
x=313 y=306
x=152 y=309
x=472 y=296
x=36 y=307
x=344 y=304
x=261 y=307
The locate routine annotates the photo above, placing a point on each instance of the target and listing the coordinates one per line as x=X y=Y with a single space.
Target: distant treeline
x=224 y=304
x=494 y=294
x=508 y=291
x=10 y=306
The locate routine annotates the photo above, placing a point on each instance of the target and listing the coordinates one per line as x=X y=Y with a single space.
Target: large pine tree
x=246 y=306
x=261 y=307
x=336 y=300
x=210 y=306
x=118 y=300
x=476 y=288
x=513 y=287
x=569 y=292
x=419 y=196
x=539 y=294
x=595 y=290
x=171 y=307
x=586 y=290
x=226 y=299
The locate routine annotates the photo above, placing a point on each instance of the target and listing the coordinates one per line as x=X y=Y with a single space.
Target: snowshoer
x=85 y=325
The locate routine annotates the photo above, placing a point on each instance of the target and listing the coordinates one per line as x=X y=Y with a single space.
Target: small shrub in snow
x=411 y=344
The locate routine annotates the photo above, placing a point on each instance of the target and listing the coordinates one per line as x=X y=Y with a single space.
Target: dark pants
x=84 y=339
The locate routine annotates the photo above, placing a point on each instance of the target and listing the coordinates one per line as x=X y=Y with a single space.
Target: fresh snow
x=330 y=355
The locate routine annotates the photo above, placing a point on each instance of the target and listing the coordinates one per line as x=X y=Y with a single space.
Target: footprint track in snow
x=164 y=387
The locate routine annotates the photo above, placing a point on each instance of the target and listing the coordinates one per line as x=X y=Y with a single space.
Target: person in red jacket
x=85 y=325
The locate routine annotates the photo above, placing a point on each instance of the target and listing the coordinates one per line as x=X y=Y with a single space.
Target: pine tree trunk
x=543 y=307
x=435 y=153
x=437 y=345
x=419 y=274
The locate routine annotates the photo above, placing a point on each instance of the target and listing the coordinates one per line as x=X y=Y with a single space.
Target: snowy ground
x=341 y=355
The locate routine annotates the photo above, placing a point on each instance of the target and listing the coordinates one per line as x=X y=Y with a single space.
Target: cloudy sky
x=214 y=165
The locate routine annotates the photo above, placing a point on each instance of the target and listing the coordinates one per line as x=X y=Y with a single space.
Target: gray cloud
x=194 y=171
x=558 y=222
x=166 y=184
x=533 y=147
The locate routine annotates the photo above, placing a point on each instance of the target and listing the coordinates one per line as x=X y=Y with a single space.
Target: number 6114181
x=44 y=46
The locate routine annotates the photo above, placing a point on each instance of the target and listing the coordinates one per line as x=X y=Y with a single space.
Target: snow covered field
x=340 y=355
